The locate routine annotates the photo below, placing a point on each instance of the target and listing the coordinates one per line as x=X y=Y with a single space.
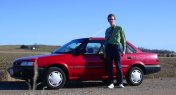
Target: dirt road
x=164 y=86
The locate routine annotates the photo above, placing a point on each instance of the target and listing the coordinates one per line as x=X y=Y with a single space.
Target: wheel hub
x=55 y=78
x=136 y=76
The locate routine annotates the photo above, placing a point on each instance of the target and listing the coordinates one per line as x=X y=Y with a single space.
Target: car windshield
x=69 y=47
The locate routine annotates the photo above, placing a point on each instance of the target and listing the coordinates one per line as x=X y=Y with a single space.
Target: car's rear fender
x=149 y=70
x=140 y=65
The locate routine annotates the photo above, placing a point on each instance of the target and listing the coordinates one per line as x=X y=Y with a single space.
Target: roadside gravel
x=161 y=86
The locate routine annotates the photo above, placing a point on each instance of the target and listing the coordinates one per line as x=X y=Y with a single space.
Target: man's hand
x=104 y=55
x=123 y=53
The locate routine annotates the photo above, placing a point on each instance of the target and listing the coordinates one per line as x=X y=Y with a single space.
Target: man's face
x=111 y=20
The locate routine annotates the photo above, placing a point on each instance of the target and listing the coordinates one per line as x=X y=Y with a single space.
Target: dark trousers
x=113 y=54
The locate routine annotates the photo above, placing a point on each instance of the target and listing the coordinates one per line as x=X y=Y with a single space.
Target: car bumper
x=149 y=69
x=24 y=73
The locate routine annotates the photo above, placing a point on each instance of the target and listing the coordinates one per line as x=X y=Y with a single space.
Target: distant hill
x=155 y=50
x=50 y=48
x=162 y=53
x=38 y=48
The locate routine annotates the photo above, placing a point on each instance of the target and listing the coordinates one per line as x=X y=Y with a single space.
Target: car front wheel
x=55 y=78
x=135 y=76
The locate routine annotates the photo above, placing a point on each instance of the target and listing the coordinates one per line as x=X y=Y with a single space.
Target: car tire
x=55 y=78
x=135 y=76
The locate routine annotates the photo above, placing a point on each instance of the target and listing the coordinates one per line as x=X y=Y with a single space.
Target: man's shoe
x=111 y=86
x=121 y=86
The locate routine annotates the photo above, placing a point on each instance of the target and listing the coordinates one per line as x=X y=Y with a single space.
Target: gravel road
x=162 y=86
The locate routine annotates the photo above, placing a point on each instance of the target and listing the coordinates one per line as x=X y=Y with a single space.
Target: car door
x=90 y=65
x=128 y=59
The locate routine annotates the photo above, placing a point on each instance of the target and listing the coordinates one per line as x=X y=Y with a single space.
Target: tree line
x=162 y=53
x=30 y=47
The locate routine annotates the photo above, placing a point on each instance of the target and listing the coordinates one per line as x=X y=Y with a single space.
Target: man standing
x=115 y=46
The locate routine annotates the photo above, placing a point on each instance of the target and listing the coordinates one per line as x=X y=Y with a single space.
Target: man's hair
x=111 y=15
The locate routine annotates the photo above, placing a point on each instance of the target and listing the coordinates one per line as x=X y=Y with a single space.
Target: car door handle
x=129 y=57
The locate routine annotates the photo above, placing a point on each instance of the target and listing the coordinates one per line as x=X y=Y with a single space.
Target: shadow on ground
x=20 y=85
x=13 y=86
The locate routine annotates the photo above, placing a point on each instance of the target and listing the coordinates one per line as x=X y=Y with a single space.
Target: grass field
x=168 y=64
x=16 y=48
x=8 y=53
x=168 y=68
x=6 y=59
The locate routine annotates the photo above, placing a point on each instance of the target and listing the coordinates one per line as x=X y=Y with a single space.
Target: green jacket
x=117 y=37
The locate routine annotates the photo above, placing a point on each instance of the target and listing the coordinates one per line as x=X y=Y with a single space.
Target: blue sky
x=147 y=23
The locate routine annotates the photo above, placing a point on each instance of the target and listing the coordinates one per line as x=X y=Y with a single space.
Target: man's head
x=111 y=19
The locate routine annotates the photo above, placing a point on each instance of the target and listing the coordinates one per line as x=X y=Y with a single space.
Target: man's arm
x=123 y=40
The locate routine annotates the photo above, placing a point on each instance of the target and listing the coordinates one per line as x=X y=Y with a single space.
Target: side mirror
x=78 y=52
x=74 y=52
x=82 y=51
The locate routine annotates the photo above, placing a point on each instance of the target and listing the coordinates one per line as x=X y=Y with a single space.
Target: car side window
x=93 y=48
x=130 y=49
x=102 y=49
x=71 y=47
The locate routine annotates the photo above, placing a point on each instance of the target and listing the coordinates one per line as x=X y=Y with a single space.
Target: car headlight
x=26 y=63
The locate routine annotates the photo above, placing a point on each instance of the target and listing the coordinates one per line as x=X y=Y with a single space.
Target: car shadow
x=13 y=85
x=84 y=84
x=20 y=85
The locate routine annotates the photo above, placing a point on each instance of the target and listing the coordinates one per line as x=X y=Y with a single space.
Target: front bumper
x=24 y=73
x=149 y=69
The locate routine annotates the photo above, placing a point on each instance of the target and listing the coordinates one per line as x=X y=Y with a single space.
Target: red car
x=82 y=59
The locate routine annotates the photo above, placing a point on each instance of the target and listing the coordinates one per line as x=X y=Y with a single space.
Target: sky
x=147 y=23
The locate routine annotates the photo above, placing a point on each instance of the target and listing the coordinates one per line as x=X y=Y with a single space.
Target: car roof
x=99 y=38
x=102 y=39
x=96 y=38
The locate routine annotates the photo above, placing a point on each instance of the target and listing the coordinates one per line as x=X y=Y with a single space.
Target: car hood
x=33 y=58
